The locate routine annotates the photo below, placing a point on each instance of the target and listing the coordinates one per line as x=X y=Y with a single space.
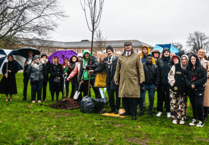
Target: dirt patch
x=137 y=140
x=202 y=139
x=118 y=125
x=65 y=104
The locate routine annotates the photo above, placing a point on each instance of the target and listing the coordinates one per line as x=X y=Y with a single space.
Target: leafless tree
x=94 y=7
x=196 y=41
x=100 y=40
x=178 y=45
x=28 y=18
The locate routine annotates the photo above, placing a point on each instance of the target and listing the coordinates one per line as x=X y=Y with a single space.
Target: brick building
x=48 y=47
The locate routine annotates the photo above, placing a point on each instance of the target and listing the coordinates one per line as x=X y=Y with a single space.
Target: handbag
x=57 y=80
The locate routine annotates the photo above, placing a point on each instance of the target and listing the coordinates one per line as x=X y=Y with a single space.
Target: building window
x=115 y=50
x=82 y=50
x=137 y=50
x=77 y=51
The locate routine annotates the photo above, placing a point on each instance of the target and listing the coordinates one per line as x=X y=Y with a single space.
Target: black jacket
x=110 y=69
x=46 y=71
x=93 y=66
x=8 y=85
x=55 y=71
x=200 y=73
x=26 y=67
x=164 y=66
x=152 y=75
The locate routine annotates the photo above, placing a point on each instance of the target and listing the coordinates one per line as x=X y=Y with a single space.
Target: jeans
x=151 y=91
x=36 y=88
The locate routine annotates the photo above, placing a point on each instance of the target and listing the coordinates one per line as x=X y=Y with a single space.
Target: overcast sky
x=150 y=21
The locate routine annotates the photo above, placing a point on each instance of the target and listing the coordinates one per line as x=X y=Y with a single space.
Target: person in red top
x=65 y=66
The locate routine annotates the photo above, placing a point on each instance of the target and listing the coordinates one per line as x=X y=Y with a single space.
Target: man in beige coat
x=128 y=75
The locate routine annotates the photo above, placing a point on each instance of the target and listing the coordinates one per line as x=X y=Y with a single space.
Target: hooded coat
x=8 y=85
x=177 y=78
x=145 y=56
x=200 y=73
x=86 y=63
x=129 y=73
x=164 y=64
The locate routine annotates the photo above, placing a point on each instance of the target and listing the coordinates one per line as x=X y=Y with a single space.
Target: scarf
x=44 y=61
x=202 y=61
x=194 y=74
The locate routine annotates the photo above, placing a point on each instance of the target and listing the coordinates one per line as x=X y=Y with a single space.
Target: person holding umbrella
x=55 y=80
x=129 y=74
x=35 y=74
x=8 y=82
x=28 y=61
x=45 y=62
x=65 y=66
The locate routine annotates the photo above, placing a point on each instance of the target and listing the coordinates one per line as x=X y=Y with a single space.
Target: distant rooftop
x=81 y=44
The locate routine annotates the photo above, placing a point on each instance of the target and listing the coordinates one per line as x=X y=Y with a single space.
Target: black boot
x=134 y=117
x=141 y=114
x=116 y=111
x=111 y=111
x=124 y=114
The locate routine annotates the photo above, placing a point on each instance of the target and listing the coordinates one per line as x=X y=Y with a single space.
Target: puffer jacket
x=164 y=64
x=35 y=72
x=152 y=75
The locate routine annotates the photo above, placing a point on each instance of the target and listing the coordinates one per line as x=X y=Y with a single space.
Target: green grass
x=26 y=123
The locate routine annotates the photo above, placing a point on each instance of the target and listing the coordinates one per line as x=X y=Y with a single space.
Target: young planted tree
x=94 y=7
x=100 y=40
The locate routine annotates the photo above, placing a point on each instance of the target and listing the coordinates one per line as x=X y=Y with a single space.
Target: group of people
x=128 y=76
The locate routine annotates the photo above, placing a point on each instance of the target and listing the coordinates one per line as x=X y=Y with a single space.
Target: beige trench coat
x=129 y=73
x=206 y=94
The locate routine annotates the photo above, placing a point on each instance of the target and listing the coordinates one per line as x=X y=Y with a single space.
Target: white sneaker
x=175 y=121
x=159 y=114
x=182 y=122
x=194 y=121
x=200 y=124
x=168 y=114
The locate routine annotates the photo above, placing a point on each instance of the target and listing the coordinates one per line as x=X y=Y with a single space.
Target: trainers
x=182 y=122
x=194 y=121
x=175 y=121
x=168 y=114
x=159 y=114
x=200 y=124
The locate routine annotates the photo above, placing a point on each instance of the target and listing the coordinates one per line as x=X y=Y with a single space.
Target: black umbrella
x=24 y=51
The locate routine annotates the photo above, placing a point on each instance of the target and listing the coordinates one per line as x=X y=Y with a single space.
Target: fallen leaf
x=139 y=127
x=95 y=123
x=54 y=126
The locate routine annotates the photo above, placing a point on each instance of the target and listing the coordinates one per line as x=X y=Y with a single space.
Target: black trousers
x=72 y=90
x=130 y=105
x=44 y=90
x=96 y=90
x=163 y=94
x=57 y=95
x=196 y=98
x=112 y=98
x=25 y=81
x=206 y=112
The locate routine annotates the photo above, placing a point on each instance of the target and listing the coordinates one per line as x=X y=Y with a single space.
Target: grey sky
x=150 y=21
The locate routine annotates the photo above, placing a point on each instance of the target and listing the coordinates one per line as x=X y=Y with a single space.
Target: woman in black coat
x=56 y=75
x=8 y=82
x=195 y=81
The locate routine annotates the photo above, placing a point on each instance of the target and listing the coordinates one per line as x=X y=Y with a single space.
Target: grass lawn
x=26 y=123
